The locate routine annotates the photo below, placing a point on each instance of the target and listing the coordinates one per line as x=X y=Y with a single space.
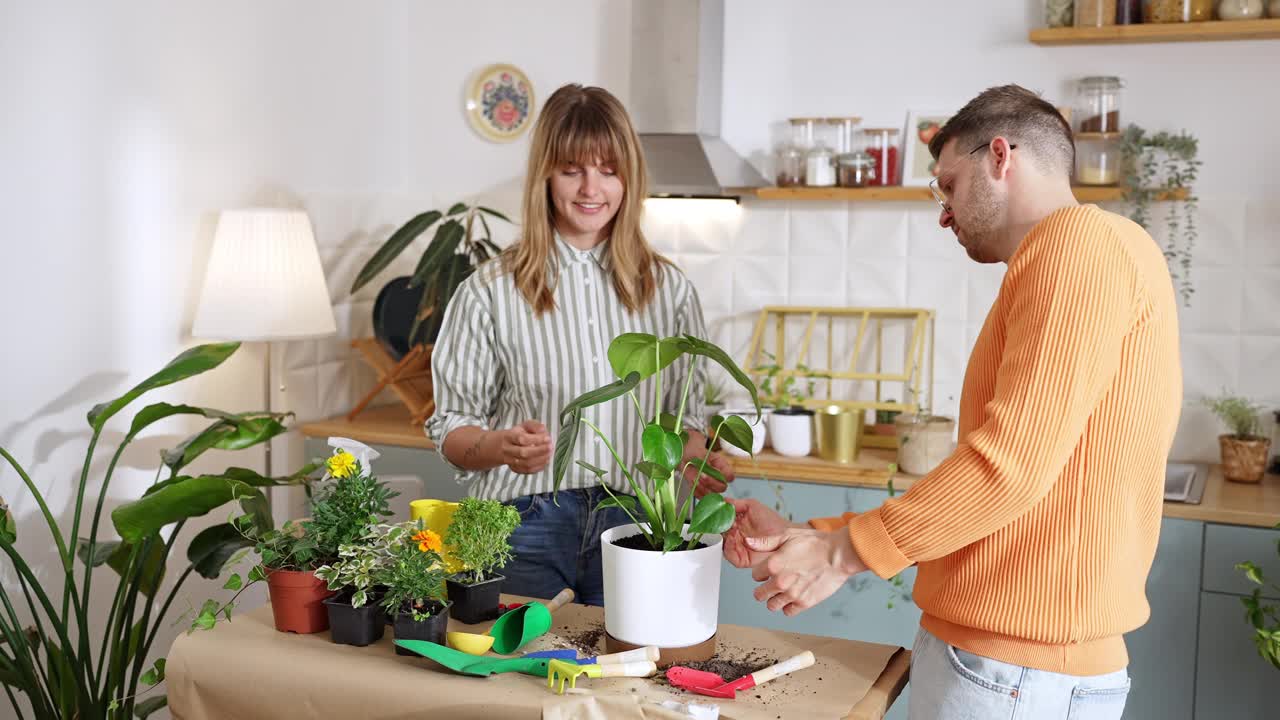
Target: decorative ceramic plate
x=500 y=103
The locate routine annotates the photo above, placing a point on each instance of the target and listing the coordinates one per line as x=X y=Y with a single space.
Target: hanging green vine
x=1171 y=158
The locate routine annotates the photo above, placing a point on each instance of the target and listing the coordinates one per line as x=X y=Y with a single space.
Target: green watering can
x=472 y=665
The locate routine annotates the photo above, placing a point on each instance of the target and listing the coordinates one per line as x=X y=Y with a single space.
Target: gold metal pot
x=839 y=433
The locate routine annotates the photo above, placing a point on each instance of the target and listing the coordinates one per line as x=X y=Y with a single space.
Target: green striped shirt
x=495 y=365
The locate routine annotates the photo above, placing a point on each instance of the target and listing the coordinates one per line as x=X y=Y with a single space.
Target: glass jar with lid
x=1059 y=13
x=1173 y=11
x=1129 y=12
x=1240 y=9
x=854 y=167
x=820 y=159
x=1098 y=158
x=1095 y=13
x=882 y=144
x=1097 y=108
x=790 y=157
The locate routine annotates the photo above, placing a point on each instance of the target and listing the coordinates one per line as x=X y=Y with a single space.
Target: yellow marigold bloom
x=428 y=540
x=341 y=464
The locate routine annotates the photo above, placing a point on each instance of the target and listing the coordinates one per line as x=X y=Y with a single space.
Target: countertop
x=1232 y=503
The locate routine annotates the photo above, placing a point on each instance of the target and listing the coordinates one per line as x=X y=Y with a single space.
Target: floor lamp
x=264 y=284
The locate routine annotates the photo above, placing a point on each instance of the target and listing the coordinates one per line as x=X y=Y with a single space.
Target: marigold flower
x=428 y=540
x=341 y=464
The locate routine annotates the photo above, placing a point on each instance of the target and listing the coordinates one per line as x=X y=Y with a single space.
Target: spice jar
x=1273 y=9
x=820 y=160
x=1095 y=13
x=855 y=169
x=1128 y=12
x=882 y=145
x=1240 y=9
x=1097 y=158
x=1171 y=11
x=1059 y=13
x=790 y=157
x=1097 y=107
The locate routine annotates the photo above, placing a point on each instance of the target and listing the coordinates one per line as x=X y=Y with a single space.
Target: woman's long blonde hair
x=584 y=125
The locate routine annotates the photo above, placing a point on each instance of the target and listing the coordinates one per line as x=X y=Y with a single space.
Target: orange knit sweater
x=1035 y=537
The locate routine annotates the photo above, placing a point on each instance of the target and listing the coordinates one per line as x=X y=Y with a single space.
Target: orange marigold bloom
x=428 y=540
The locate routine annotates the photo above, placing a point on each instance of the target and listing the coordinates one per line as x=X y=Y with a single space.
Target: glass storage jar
x=1240 y=9
x=1129 y=12
x=855 y=169
x=1273 y=9
x=790 y=157
x=1097 y=108
x=883 y=144
x=1172 y=11
x=1059 y=13
x=1095 y=13
x=820 y=160
x=1097 y=158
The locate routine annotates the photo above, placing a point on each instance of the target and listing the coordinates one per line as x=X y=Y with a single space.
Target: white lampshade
x=264 y=280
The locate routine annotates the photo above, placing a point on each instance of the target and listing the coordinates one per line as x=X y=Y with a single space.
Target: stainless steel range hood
x=677 y=49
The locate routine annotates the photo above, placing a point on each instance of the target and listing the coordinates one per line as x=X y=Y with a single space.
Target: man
x=1035 y=537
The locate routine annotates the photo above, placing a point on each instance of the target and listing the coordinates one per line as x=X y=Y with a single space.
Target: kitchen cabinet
x=1232 y=681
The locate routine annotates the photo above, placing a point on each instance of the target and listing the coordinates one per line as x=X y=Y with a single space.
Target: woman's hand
x=525 y=448
x=753 y=519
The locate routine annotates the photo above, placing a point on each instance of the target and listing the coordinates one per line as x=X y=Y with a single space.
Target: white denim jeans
x=951 y=684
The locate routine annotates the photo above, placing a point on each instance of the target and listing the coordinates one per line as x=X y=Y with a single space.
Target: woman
x=530 y=331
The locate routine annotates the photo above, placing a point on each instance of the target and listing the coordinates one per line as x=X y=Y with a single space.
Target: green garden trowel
x=461 y=662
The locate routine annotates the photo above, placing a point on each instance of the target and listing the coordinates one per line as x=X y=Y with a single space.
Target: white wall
x=127 y=125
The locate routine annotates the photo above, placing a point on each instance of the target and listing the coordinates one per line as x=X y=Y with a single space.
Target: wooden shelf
x=1084 y=194
x=1216 y=30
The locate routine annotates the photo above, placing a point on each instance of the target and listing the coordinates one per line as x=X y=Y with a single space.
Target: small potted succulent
x=790 y=423
x=1244 y=449
x=477 y=538
x=355 y=613
x=350 y=502
x=413 y=575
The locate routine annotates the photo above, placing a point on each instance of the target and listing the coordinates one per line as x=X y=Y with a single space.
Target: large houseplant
x=661 y=573
x=50 y=658
x=1164 y=164
x=1244 y=449
x=478 y=538
x=441 y=267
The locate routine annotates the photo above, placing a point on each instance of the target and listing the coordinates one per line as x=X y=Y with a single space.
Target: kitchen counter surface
x=1223 y=502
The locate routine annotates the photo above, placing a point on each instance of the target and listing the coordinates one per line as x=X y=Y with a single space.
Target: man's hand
x=525 y=448
x=696 y=449
x=753 y=519
x=800 y=568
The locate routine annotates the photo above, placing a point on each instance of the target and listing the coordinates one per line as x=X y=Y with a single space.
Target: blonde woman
x=529 y=332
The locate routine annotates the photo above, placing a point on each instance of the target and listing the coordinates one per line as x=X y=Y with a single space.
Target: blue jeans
x=948 y=683
x=557 y=545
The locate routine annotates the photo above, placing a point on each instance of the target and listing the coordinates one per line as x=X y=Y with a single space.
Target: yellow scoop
x=511 y=631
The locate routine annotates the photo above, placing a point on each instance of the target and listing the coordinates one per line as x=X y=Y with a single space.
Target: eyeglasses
x=940 y=196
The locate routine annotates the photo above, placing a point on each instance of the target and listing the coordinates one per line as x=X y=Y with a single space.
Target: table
x=246 y=669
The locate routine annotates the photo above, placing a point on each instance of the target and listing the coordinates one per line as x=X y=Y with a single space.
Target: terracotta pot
x=297 y=601
x=1244 y=460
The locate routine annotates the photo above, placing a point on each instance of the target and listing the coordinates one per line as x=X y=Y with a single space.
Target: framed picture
x=500 y=103
x=918 y=166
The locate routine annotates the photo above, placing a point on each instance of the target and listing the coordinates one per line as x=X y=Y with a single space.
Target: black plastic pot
x=475 y=603
x=355 y=626
x=432 y=629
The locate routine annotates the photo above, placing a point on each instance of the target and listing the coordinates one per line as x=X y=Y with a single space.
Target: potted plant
x=101 y=662
x=662 y=572
x=350 y=502
x=1244 y=449
x=885 y=423
x=1164 y=165
x=477 y=538
x=790 y=423
x=355 y=612
x=450 y=257
x=413 y=575
x=1263 y=616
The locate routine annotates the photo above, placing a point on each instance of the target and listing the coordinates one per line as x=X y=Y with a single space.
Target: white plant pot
x=923 y=445
x=670 y=600
x=791 y=432
x=758 y=430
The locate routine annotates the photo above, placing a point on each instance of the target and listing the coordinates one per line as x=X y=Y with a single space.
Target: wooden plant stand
x=409 y=378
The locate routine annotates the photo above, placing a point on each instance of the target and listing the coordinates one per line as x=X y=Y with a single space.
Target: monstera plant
x=63 y=665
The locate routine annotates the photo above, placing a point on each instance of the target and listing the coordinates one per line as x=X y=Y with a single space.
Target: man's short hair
x=1022 y=116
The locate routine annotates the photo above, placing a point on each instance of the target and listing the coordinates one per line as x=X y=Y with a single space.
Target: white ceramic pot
x=923 y=445
x=758 y=430
x=791 y=431
x=670 y=600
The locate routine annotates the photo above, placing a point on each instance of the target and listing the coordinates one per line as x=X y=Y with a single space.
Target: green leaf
x=671 y=541
x=101 y=551
x=233 y=582
x=696 y=346
x=457 y=208
x=158 y=411
x=1251 y=571
x=711 y=515
x=190 y=498
x=626 y=502
x=704 y=468
x=257 y=508
x=598 y=472
x=212 y=547
x=151 y=571
x=653 y=470
x=257 y=573
x=641 y=353
x=8 y=528
x=226 y=434
x=145 y=708
x=394 y=245
x=436 y=297
x=735 y=431
x=494 y=213
x=187 y=364
x=443 y=247
x=566 y=439
x=155 y=674
x=205 y=621
x=613 y=390
x=661 y=447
